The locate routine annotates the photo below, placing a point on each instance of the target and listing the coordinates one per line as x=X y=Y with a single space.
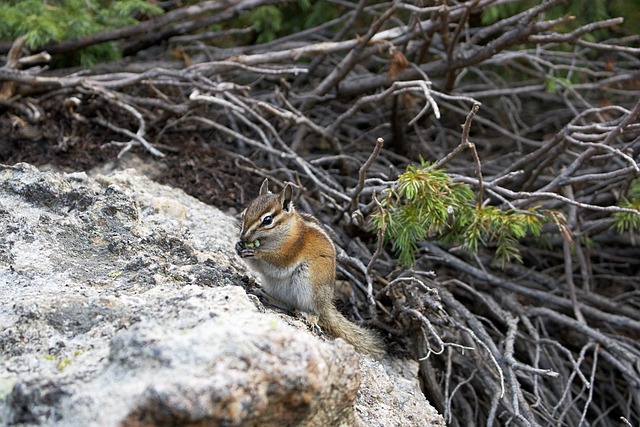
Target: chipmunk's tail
x=364 y=340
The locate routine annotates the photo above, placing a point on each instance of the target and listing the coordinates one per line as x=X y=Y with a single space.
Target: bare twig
x=362 y=173
x=559 y=131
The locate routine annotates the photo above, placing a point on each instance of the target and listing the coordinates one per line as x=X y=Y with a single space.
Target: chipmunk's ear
x=264 y=188
x=286 y=197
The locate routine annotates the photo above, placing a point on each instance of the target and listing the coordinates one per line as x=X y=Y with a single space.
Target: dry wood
x=554 y=341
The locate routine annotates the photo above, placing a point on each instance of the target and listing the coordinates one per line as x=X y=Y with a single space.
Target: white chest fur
x=291 y=286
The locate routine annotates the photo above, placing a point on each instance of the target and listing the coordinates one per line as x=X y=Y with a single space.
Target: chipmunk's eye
x=267 y=220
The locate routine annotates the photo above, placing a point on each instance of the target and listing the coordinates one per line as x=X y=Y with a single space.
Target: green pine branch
x=426 y=204
x=628 y=221
x=47 y=22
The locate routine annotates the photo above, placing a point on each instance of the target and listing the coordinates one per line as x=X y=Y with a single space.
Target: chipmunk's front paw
x=244 y=251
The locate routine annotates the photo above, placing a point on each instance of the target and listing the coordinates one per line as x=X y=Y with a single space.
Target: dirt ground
x=202 y=167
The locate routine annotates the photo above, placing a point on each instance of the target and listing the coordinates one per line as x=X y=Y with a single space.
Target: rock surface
x=123 y=304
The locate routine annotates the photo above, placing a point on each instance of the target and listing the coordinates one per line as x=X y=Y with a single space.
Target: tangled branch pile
x=553 y=340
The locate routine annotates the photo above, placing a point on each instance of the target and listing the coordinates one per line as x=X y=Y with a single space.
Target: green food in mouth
x=254 y=244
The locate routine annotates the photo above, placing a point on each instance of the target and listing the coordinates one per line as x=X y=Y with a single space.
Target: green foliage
x=589 y=11
x=627 y=221
x=320 y=12
x=45 y=22
x=421 y=207
x=585 y=12
x=270 y=22
x=427 y=204
x=491 y=15
x=552 y=84
x=630 y=10
x=266 y=21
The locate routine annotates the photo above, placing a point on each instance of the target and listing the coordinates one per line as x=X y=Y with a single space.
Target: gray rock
x=123 y=304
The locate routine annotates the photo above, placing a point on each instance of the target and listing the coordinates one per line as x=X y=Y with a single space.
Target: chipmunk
x=296 y=260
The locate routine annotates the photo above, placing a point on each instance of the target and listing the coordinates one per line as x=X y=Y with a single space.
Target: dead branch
x=550 y=342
